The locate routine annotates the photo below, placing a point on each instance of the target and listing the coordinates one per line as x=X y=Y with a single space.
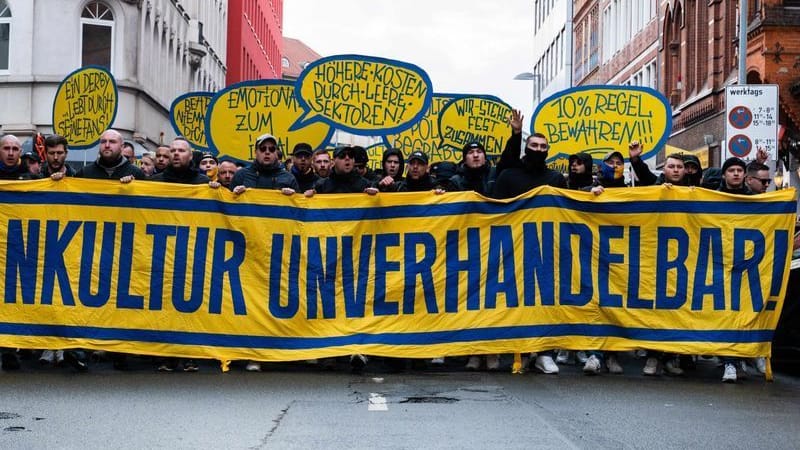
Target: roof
x=299 y=55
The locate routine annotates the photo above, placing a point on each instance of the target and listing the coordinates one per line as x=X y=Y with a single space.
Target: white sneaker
x=641 y=353
x=613 y=365
x=761 y=364
x=59 y=356
x=673 y=367
x=562 y=357
x=492 y=362
x=437 y=361
x=474 y=363
x=581 y=357
x=546 y=364
x=730 y=374
x=651 y=367
x=253 y=366
x=592 y=366
x=48 y=357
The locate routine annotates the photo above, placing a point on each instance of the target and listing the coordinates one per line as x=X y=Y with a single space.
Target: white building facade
x=552 y=51
x=157 y=50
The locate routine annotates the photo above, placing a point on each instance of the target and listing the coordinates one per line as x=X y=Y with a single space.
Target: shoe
x=641 y=353
x=592 y=366
x=9 y=361
x=562 y=357
x=47 y=358
x=651 y=367
x=474 y=363
x=613 y=365
x=167 y=365
x=59 y=357
x=190 y=366
x=730 y=373
x=761 y=365
x=437 y=361
x=546 y=364
x=673 y=367
x=582 y=357
x=357 y=363
x=742 y=371
x=492 y=362
x=253 y=366
x=76 y=359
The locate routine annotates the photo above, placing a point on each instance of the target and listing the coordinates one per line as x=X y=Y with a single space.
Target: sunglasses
x=268 y=148
x=764 y=181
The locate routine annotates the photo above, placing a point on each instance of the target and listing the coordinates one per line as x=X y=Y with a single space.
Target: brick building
x=255 y=40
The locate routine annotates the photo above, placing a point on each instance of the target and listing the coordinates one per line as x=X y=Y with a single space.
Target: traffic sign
x=740 y=117
x=740 y=146
x=752 y=113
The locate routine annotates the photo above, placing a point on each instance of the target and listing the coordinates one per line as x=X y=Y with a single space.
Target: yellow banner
x=85 y=106
x=193 y=271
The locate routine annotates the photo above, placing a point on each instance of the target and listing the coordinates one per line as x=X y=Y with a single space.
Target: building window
x=5 y=35
x=97 y=35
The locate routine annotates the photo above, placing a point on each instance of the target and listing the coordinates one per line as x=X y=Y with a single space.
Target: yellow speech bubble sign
x=424 y=134
x=187 y=115
x=475 y=118
x=240 y=113
x=85 y=106
x=363 y=95
x=600 y=119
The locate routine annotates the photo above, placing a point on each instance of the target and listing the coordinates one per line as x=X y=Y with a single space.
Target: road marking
x=377 y=402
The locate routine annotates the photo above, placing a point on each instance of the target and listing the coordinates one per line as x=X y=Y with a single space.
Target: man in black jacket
x=266 y=171
x=10 y=167
x=343 y=178
x=56 y=149
x=110 y=163
x=181 y=165
x=532 y=173
x=475 y=173
x=417 y=178
x=301 y=167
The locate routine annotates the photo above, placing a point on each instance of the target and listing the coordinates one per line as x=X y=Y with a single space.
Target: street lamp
x=537 y=83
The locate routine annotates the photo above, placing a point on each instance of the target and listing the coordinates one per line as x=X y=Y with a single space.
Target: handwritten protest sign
x=363 y=95
x=188 y=117
x=599 y=119
x=375 y=155
x=424 y=135
x=475 y=118
x=240 y=113
x=85 y=105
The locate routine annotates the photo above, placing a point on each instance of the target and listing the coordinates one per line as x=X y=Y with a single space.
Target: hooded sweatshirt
x=581 y=180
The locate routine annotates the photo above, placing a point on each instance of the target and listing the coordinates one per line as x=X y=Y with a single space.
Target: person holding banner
x=580 y=171
x=520 y=177
x=757 y=177
x=55 y=155
x=181 y=166
x=32 y=163
x=392 y=164
x=343 y=178
x=417 y=178
x=321 y=161
x=225 y=172
x=733 y=171
x=301 y=167
x=474 y=173
x=266 y=170
x=10 y=167
x=161 y=159
x=110 y=163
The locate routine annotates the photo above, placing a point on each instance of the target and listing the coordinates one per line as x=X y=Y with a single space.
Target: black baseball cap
x=419 y=156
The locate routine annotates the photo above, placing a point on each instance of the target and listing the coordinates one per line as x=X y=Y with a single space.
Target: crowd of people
x=311 y=172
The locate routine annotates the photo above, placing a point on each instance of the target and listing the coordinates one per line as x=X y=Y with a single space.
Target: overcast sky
x=465 y=46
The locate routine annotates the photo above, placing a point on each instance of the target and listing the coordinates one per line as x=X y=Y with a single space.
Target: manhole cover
x=429 y=400
x=8 y=415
